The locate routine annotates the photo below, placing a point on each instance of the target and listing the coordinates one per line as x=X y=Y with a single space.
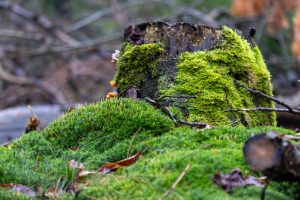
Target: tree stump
x=175 y=62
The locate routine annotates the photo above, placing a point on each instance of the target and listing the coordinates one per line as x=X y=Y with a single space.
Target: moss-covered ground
x=106 y=131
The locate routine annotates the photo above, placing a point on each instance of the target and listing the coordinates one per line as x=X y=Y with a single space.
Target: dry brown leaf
x=235 y=179
x=110 y=167
x=19 y=188
x=33 y=122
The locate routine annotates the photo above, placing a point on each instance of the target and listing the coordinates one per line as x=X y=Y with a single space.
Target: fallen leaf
x=33 y=122
x=110 y=167
x=235 y=179
x=19 y=188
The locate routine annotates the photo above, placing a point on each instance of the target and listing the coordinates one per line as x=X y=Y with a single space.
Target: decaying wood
x=175 y=38
x=273 y=155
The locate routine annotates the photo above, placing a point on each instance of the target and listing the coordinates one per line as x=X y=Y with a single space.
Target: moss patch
x=104 y=133
x=136 y=63
x=210 y=76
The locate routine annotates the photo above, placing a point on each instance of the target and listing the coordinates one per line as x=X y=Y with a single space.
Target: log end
x=260 y=152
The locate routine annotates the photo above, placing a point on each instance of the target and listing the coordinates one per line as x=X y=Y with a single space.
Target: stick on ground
x=180 y=177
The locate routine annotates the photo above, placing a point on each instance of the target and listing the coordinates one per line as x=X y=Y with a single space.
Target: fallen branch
x=259 y=93
x=180 y=177
x=266 y=109
x=175 y=119
x=163 y=108
x=263 y=109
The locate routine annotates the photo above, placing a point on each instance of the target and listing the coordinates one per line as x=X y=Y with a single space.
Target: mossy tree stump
x=190 y=60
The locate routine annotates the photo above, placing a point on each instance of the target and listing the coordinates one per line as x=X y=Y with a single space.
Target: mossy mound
x=104 y=133
x=209 y=75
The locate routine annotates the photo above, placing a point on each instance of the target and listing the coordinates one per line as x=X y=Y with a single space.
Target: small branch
x=129 y=148
x=263 y=109
x=170 y=190
x=199 y=125
x=163 y=108
x=263 y=191
x=176 y=97
x=256 y=92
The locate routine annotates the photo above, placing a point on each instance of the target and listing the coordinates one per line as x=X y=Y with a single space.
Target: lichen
x=136 y=63
x=210 y=75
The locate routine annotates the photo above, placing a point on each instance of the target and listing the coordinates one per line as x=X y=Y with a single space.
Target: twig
x=263 y=191
x=263 y=109
x=129 y=148
x=170 y=190
x=256 y=92
x=176 y=97
x=199 y=125
x=163 y=108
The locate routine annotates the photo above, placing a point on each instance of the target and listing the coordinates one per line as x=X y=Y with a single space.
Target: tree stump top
x=176 y=38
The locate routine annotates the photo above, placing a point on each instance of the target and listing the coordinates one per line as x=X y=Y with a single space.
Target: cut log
x=274 y=156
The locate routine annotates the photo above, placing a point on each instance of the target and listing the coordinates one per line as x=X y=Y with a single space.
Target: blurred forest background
x=59 y=51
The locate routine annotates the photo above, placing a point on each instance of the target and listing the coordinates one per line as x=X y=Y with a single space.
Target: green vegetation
x=208 y=75
x=135 y=63
x=106 y=131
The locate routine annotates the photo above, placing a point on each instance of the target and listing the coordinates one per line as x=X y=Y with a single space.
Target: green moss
x=208 y=152
x=210 y=76
x=41 y=158
x=107 y=122
x=105 y=133
x=136 y=63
